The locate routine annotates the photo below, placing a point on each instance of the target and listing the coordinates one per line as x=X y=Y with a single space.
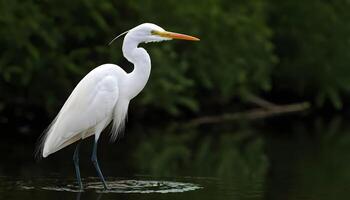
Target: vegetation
x=312 y=44
x=247 y=48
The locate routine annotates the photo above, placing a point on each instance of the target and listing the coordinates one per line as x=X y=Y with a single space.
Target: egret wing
x=90 y=104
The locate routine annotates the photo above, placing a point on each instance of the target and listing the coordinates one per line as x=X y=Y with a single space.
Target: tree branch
x=258 y=113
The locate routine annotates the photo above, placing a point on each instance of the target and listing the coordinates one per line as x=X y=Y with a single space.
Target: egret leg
x=95 y=162
x=78 y=196
x=76 y=164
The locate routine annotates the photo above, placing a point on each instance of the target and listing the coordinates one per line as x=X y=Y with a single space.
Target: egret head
x=148 y=32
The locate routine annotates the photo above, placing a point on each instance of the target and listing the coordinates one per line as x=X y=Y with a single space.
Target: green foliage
x=57 y=43
x=233 y=57
x=312 y=40
x=48 y=46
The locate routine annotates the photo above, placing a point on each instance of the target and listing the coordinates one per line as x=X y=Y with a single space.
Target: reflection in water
x=79 y=194
x=282 y=159
x=236 y=158
x=114 y=186
x=226 y=155
x=313 y=164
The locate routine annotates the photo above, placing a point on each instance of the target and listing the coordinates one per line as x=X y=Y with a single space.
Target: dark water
x=289 y=158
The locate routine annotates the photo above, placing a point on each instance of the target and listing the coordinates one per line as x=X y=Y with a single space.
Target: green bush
x=234 y=56
x=48 y=46
x=312 y=42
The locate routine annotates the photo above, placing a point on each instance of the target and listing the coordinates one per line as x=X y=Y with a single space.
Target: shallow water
x=287 y=158
x=116 y=185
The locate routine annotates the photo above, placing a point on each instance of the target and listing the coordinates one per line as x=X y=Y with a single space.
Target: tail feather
x=52 y=149
x=38 y=154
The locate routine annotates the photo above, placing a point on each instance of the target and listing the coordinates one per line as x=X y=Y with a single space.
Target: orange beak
x=172 y=35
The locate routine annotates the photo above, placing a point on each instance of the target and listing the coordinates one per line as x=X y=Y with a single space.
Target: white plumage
x=89 y=109
x=103 y=96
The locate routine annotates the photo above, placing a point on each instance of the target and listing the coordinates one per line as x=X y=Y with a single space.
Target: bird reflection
x=78 y=196
x=99 y=196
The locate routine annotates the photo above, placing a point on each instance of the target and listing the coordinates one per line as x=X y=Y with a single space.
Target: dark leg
x=99 y=196
x=94 y=161
x=78 y=196
x=76 y=164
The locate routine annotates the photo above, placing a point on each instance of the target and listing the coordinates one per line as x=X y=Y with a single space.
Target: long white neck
x=137 y=79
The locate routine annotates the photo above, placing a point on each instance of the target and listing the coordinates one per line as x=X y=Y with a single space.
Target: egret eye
x=153 y=32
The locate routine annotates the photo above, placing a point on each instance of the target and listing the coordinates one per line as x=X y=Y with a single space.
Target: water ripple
x=114 y=186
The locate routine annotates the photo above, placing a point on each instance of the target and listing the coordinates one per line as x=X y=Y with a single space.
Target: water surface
x=287 y=158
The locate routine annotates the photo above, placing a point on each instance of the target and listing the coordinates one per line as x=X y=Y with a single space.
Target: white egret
x=103 y=96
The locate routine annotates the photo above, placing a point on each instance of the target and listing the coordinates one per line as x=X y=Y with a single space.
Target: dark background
x=282 y=51
x=253 y=55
